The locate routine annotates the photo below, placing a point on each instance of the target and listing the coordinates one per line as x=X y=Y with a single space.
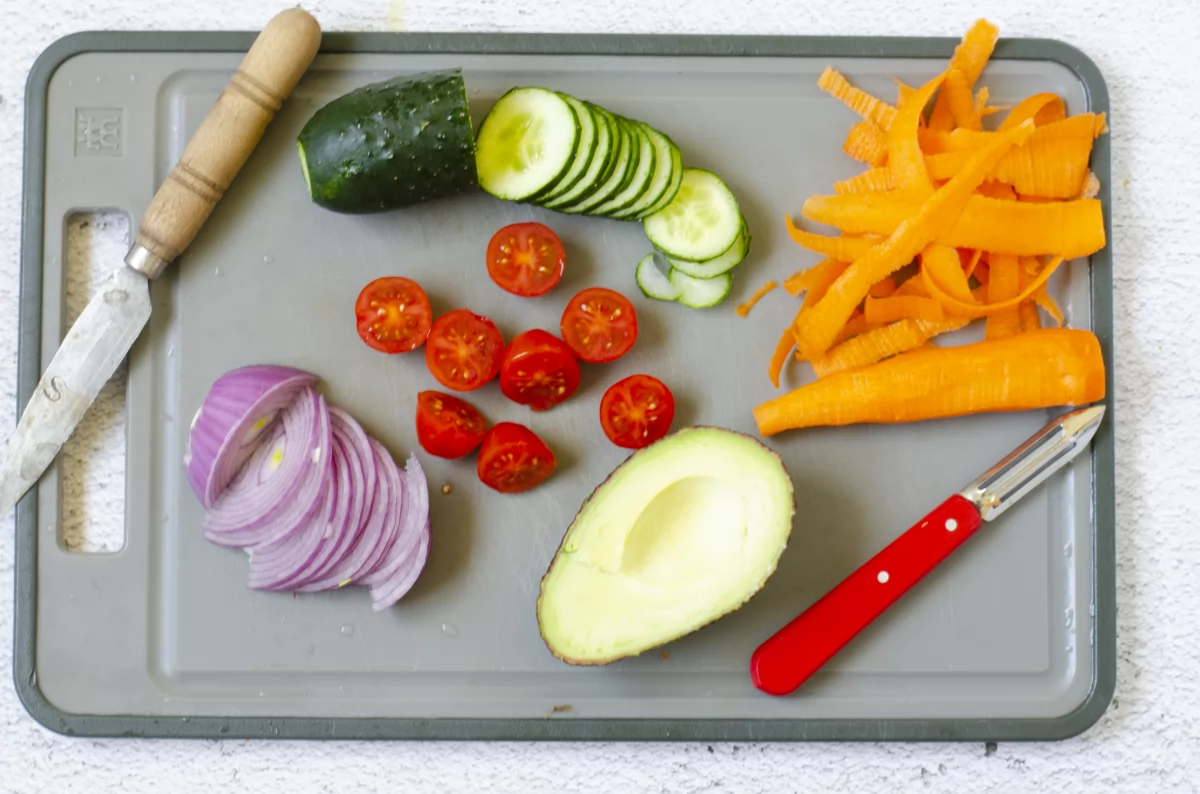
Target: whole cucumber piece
x=391 y=144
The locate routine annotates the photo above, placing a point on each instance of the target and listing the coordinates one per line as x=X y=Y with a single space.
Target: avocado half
x=683 y=532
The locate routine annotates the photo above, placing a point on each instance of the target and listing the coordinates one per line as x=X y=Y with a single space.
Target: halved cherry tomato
x=464 y=350
x=513 y=459
x=526 y=259
x=599 y=325
x=637 y=411
x=393 y=314
x=539 y=370
x=447 y=426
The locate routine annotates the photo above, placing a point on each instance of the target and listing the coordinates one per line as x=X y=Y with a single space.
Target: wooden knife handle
x=266 y=77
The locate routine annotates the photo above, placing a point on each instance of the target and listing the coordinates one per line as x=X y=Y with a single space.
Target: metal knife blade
x=106 y=330
x=89 y=355
x=794 y=653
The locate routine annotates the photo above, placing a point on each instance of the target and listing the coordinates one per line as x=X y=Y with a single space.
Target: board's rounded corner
x=1065 y=54
x=39 y=707
x=57 y=53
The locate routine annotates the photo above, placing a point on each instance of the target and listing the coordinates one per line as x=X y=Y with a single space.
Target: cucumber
x=672 y=188
x=585 y=149
x=719 y=265
x=390 y=144
x=626 y=164
x=700 y=293
x=640 y=179
x=526 y=143
x=700 y=223
x=667 y=161
x=653 y=282
x=599 y=167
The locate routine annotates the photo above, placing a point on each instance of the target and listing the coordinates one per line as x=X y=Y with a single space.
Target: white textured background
x=1150 y=738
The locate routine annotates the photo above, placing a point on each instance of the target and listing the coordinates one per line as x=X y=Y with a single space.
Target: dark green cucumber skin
x=391 y=144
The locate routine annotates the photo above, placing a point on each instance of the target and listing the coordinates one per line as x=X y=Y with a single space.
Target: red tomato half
x=513 y=459
x=637 y=411
x=464 y=350
x=526 y=259
x=393 y=314
x=599 y=325
x=539 y=370
x=447 y=426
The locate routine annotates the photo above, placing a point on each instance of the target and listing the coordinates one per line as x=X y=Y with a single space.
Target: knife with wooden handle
x=115 y=317
x=799 y=649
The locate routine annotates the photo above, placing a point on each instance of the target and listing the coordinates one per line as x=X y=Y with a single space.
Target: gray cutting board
x=164 y=638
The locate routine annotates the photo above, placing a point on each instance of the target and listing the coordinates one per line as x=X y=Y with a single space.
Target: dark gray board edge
x=732 y=730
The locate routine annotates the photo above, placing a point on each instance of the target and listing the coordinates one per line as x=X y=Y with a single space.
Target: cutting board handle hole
x=93 y=459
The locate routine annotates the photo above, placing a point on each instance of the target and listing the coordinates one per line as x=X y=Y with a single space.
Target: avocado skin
x=583 y=509
x=391 y=144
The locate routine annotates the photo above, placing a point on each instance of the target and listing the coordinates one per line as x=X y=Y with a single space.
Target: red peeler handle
x=799 y=649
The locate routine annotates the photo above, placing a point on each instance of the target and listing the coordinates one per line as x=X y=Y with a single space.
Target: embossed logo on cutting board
x=99 y=132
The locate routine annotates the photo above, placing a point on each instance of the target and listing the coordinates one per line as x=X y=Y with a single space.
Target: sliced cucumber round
x=526 y=143
x=666 y=161
x=700 y=293
x=653 y=282
x=700 y=223
x=627 y=162
x=599 y=167
x=720 y=265
x=641 y=177
x=672 y=187
x=585 y=149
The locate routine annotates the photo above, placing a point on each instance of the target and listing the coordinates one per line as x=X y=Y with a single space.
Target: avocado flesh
x=682 y=533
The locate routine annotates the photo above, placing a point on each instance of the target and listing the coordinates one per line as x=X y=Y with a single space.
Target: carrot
x=1030 y=319
x=1005 y=284
x=904 y=156
x=822 y=281
x=970 y=56
x=912 y=287
x=1042 y=298
x=903 y=90
x=816 y=328
x=997 y=190
x=1072 y=228
x=744 y=309
x=945 y=268
x=1042 y=108
x=844 y=248
x=883 y=289
x=873 y=180
x=880 y=343
x=957 y=308
x=782 y=348
x=961 y=102
x=905 y=307
x=869 y=107
x=1040 y=369
x=1053 y=166
x=973 y=264
x=867 y=143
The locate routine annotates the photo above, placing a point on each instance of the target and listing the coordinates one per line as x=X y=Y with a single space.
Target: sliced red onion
x=414 y=514
x=405 y=577
x=290 y=563
x=361 y=460
x=270 y=482
x=391 y=530
x=271 y=567
x=379 y=513
x=237 y=411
